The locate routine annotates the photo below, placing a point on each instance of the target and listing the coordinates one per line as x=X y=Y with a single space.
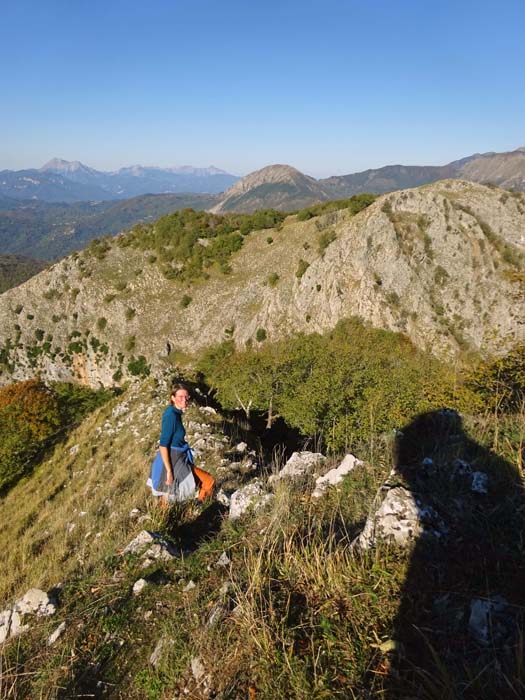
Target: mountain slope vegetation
x=442 y=263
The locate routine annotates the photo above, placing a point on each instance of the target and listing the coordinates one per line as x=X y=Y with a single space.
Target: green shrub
x=325 y=239
x=129 y=313
x=185 y=301
x=117 y=376
x=139 y=366
x=342 y=387
x=440 y=275
x=273 y=278
x=302 y=266
x=102 y=323
x=260 y=335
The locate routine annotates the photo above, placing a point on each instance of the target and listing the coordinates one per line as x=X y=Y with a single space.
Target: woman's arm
x=165 y=454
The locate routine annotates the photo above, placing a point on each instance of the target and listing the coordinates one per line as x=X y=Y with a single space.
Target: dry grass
x=75 y=509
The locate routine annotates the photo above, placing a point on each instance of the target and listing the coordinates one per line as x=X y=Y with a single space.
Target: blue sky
x=329 y=86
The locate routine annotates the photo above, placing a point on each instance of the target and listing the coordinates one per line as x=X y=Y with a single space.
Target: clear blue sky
x=329 y=86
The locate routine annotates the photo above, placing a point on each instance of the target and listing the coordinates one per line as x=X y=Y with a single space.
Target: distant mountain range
x=280 y=186
x=48 y=230
x=71 y=181
x=284 y=187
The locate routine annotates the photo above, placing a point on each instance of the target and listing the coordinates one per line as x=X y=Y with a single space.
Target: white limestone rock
x=157 y=547
x=142 y=540
x=299 y=464
x=336 y=475
x=56 y=634
x=198 y=669
x=5 y=624
x=160 y=652
x=139 y=586
x=401 y=518
x=223 y=560
x=35 y=602
x=251 y=496
x=480 y=482
x=487 y=619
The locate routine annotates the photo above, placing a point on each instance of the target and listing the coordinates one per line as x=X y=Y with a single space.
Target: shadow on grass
x=459 y=627
x=190 y=534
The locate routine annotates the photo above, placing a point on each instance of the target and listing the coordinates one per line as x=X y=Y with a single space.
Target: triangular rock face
x=275 y=186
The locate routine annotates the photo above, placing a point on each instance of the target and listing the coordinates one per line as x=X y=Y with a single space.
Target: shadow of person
x=190 y=534
x=458 y=631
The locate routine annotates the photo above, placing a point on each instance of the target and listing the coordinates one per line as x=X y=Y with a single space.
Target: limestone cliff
x=442 y=263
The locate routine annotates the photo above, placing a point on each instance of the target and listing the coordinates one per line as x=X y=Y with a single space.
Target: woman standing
x=173 y=474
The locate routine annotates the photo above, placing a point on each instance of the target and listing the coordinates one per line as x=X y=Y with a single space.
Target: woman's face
x=180 y=399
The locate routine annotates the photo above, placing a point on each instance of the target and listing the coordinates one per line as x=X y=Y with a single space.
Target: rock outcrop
x=442 y=264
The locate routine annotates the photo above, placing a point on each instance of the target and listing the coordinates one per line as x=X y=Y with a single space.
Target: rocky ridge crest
x=442 y=263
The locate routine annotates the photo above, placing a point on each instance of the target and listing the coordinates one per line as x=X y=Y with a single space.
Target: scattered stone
x=133 y=514
x=143 y=539
x=71 y=527
x=5 y=624
x=461 y=467
x=480 y=482
x=402 y=518
x=15 y=625
x=160 y=651
x=335 y=476
x=241 y=447
x=139 y=586
x=299 y=464
x=189 y=586
x=56 y=634
x=158 y=548
x=143 y=518
x=489 y=620
x=148 y=614
x=209 y=410
x=249 y=496
x=224 y=560
x=35 y=602
x=223 y=498
x=198 y=669
x=215 y=615
x=74 y=450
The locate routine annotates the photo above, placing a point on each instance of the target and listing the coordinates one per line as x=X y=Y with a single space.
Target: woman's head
x=179 y=396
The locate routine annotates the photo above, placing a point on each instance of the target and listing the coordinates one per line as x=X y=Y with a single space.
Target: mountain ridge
x=440 y=263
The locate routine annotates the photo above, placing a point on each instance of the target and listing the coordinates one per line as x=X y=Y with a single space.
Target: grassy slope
x=302 y=617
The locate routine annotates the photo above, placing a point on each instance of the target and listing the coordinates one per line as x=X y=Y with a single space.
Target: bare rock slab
x=401 y=518
x=252 y=496
x=336 y=475
x=299 y=464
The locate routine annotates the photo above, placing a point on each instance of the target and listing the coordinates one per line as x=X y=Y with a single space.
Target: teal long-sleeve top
x=172 y=433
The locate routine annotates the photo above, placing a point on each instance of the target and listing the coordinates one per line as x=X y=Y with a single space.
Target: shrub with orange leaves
x=29 y=415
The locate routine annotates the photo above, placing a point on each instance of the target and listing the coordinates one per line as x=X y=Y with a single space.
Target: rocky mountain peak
x=276 y=173
x=59 y=165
